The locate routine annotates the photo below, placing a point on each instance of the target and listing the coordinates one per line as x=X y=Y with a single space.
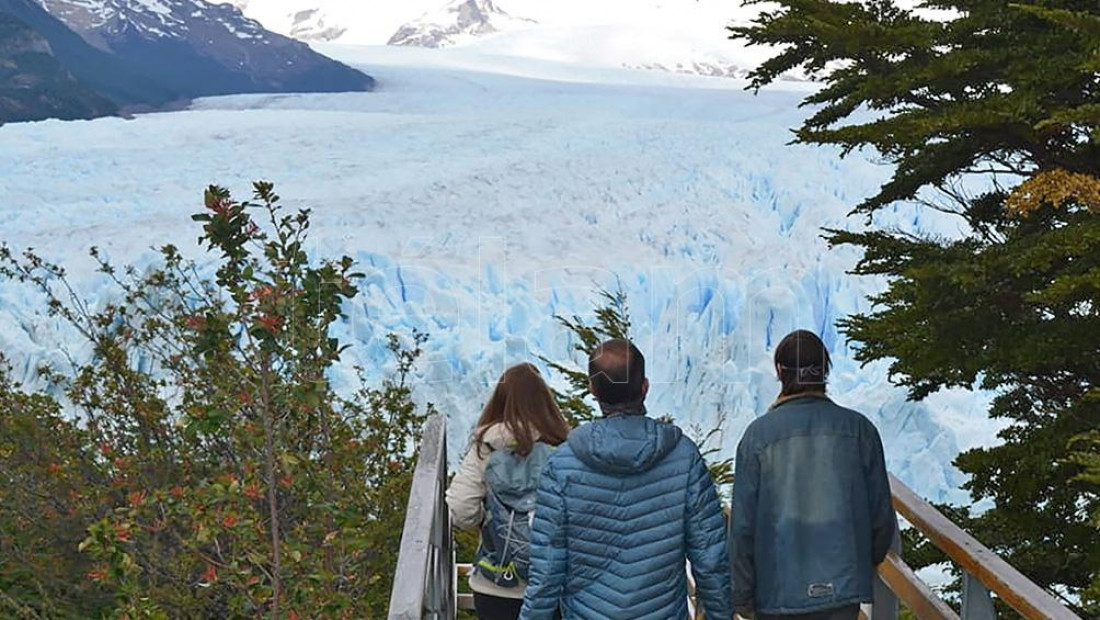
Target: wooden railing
x=426 y=576
x=465 y=600
x=424 y=582
x=983 y=571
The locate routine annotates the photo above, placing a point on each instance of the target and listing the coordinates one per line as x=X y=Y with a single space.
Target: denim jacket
x=811 y=509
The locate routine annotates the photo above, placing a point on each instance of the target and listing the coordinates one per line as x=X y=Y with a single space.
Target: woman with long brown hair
x=514 y=431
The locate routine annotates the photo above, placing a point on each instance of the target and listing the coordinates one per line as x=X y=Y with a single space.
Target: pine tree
x=613 y=321
x=1005 y=96
x=1088 y=457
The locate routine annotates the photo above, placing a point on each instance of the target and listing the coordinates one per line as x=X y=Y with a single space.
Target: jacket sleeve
x=884 y=523
x=742 y=536
x=546 y=579
x=705 y=533
x=467 y=491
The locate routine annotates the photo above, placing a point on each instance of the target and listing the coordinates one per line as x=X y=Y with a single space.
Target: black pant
x=851 y=612
x=496 y=607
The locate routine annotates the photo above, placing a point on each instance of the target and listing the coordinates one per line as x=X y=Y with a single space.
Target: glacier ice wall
x=481 y=205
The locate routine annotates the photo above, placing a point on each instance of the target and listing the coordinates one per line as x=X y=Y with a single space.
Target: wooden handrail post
x=423 y=584
x=885 y=602
x=976 y=602
x=917 y=595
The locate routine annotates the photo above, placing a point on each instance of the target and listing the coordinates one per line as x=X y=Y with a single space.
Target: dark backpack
x=504 y=556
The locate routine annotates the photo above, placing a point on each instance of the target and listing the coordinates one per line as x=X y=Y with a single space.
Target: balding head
x=616 y=372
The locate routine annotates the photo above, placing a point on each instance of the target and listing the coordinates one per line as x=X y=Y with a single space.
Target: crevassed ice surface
x=481 y=202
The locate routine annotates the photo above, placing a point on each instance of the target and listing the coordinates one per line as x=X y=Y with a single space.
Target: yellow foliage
x=1055 y=187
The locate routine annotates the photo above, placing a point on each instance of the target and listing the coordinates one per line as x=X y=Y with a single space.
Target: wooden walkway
x=427 y=575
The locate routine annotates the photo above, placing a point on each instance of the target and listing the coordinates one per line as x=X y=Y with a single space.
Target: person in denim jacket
x=811 y=515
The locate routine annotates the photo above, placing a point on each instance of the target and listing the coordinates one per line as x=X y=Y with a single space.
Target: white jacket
x=466 y=498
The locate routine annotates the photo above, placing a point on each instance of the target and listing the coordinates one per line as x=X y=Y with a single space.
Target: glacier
x=484 y=195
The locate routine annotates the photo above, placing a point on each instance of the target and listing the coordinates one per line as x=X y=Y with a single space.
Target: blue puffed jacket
x=621 y=505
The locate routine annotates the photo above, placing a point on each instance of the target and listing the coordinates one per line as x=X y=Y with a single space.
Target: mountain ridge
x=456 y=22
x=143 y=55
x=34 y=85
x=201 y=49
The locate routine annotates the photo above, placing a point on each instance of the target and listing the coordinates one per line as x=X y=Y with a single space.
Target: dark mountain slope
x=198 y=49
x=34 y=85
x=103 y=72
x=144 y=54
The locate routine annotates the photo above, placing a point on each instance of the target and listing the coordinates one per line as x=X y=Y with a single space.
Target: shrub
x=218 y=472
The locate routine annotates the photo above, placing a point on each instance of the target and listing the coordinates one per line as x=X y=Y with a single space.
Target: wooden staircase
x=427 y=575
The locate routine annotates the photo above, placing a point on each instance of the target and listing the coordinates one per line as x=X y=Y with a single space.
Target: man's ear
x=645 y=387
x=592 y=389
x=778 y=371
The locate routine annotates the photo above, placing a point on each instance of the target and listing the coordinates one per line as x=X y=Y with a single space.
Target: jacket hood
x=624 y=444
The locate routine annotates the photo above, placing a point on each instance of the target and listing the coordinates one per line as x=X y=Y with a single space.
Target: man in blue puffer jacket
x=621 y=505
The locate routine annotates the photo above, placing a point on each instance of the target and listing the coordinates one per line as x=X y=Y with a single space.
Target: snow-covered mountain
x=479 y=205
x=189 y=48
x=457 y=23
x=682 y=36
x=311 y=25
x=362 y=22
x=687 y=36
x=102 y=21
x=303 y=21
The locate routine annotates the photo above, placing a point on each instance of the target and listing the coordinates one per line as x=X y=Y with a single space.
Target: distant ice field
x=483 y=196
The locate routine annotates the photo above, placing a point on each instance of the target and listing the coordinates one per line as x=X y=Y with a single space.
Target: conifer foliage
x=989 y=110
x=612 y=320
